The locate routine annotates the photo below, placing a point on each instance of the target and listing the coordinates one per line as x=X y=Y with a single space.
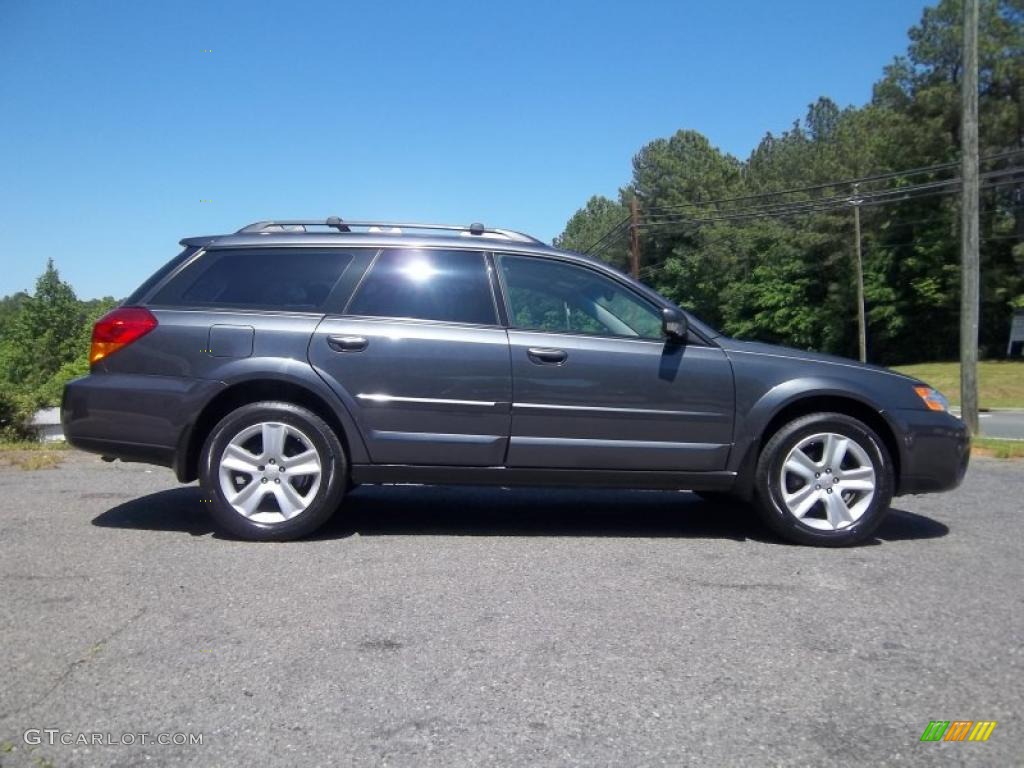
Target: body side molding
x=526 y=476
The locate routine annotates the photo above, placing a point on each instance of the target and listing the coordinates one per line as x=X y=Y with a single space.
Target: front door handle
x=543 y=356
x=347 y=343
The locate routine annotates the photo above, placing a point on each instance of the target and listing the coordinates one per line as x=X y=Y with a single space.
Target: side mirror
x=674 y=324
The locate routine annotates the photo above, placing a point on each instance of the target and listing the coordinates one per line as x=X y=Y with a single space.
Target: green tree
x=10 y=306
x=923 y=255
x=591 y=223
x=45 y=333
x=790 y=279
x=44 y=342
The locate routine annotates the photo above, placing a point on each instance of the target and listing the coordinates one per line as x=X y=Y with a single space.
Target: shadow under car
x=406 y=510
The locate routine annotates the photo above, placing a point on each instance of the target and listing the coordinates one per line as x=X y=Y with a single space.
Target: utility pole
x=1018 y=192
x=634 y=239
x=969 y=291
x=862 y=329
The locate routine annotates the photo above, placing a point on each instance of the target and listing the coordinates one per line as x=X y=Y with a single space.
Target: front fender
x=755 y=414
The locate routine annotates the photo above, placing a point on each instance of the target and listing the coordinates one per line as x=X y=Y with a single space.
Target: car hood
x=773 y=350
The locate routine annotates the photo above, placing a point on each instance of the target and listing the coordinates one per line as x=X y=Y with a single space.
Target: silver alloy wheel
x=270 y=472
x=827 y=481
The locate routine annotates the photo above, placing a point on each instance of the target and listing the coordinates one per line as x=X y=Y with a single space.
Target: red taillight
x=119 y=328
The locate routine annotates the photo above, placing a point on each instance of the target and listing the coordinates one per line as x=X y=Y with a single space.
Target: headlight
x=933 y=399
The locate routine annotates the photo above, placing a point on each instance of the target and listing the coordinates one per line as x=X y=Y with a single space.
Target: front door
x=420 y=360
x=597 y=386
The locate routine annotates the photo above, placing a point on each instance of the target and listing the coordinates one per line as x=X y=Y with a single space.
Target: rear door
x=420 y=359
x=595 y=383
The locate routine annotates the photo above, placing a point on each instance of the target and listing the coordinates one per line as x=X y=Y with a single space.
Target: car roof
x=335 y=232
x=366 y=234
x=360 y=239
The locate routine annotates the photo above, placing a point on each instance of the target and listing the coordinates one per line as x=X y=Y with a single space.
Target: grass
x=31 y=456
x=33 y=445
x=997 y=449
x=1000 y=382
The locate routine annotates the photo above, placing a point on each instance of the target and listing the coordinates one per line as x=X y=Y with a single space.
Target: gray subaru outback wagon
x=292 y=360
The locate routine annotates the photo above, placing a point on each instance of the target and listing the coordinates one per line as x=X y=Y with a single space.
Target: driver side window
x=551 y=296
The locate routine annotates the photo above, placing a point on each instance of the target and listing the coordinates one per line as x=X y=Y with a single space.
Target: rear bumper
x=134 y=417
x=935 y=449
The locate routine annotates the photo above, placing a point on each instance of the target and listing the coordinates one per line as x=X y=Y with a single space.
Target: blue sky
x=117 y=123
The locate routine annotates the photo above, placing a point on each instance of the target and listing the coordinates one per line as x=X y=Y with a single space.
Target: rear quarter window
x=294 y=279
x=157 y=277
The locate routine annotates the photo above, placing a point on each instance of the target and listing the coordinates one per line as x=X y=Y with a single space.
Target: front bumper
x=935 y=448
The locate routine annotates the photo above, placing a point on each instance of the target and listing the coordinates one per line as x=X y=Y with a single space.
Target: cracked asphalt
x=450 y=627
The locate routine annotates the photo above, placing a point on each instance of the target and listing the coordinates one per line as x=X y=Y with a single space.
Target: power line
x=809 y=206
x=994 y=179
x=834 y=184
x=770 y=208
x=599 y=252
x=784 y=209
x=955 y=189
x=608 y=234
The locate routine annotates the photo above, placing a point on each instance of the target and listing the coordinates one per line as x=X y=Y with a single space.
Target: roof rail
x=387 y=227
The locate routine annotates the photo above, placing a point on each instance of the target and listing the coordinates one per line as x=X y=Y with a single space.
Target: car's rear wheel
x=825 y=479
x=274 y=471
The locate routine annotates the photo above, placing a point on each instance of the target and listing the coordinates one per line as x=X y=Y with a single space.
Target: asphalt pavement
x=1008 y=425
x=464 y=627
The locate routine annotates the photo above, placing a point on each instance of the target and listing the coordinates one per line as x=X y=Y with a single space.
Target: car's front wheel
x=825 y=479
x=274 y=471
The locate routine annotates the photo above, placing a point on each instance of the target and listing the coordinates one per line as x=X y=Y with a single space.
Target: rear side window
x=448 y=286
x=140 y=293
x=296 y=279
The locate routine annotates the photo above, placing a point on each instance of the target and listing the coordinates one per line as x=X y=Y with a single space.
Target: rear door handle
x=543 y=356
x=347 y=343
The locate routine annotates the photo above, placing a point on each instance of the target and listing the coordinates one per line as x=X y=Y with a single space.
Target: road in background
x=1004 y=424
x=452 y=627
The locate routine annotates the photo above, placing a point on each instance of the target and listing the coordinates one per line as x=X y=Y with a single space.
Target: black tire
x=325 y=500
x=768 y=480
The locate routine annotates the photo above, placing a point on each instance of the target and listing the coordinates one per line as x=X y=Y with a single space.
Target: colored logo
x=958 y=730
